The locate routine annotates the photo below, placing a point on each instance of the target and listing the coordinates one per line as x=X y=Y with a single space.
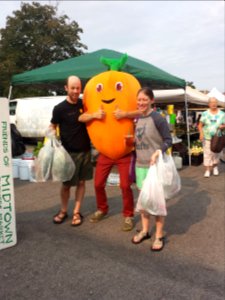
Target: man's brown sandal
x=77 y=219
x=60 y=217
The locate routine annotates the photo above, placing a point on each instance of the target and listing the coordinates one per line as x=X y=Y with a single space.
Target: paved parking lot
x=98 y=261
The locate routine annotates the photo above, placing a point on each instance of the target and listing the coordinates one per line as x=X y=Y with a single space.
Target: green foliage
x=191 y=84
x=197 y=143
x=34 y=37
x=38 y=148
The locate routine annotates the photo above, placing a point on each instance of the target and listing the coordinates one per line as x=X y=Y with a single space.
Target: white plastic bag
x=151 y=198
x=43 y=162
x=168 y=175
x=165 y=168
x=63 y=166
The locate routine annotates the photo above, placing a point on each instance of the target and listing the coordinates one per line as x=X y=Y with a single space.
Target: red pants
x=103 y=168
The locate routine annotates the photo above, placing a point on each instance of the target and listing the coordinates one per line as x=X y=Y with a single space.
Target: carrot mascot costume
x=110 y=90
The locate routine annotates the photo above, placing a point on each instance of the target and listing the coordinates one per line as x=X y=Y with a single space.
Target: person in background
x=75 y=139
x=152 y=135
x=211 y=120
x=197 y=121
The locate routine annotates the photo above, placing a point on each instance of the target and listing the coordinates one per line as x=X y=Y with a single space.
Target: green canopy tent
x=88 y=65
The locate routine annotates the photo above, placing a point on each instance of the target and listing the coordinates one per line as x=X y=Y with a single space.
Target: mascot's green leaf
x=114 y=64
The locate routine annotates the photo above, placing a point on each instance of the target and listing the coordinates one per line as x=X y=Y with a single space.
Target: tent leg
x=10 y=92
x=188 y=129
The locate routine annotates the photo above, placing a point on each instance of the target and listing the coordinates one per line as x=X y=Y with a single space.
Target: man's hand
x=87 y=117
x=100 y=114
x=51 y=130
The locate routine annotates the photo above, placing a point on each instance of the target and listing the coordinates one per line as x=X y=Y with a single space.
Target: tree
x=34 y=37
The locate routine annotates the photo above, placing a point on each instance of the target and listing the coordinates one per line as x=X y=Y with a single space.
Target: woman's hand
x=154 y=157
x=222 y=126
x=201 y=136
x=119 y=114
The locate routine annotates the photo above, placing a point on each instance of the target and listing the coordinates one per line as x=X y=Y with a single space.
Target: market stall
x=182 y=108
x=168 y=89
x=218 y=95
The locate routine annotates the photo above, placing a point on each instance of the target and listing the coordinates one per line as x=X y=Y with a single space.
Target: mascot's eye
x=99 y=87
x=119 y=86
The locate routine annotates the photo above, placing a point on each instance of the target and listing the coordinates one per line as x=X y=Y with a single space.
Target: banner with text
x=8 y=236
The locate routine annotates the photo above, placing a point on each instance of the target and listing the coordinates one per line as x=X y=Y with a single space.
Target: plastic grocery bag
x=168 y=175
x=43 y=162
x=63 y=166
x=151 y=198
x=165 y=168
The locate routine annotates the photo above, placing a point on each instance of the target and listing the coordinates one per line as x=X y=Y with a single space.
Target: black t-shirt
x=73 y=133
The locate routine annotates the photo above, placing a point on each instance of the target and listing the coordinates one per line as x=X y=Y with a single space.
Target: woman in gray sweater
x=152 y=135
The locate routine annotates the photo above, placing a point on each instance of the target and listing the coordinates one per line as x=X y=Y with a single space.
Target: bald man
x=75 y=139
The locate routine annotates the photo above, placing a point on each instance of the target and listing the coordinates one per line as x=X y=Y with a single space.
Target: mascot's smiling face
x=110 y=90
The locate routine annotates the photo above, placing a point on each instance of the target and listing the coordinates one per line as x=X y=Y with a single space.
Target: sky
x=183 y=38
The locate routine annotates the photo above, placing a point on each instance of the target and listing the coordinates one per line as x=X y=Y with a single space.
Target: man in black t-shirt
x=75 y=139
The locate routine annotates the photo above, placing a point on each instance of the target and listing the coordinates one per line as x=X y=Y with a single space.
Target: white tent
x=187 y=96
x=218 y=95
x=196 y=97
x=178 y=95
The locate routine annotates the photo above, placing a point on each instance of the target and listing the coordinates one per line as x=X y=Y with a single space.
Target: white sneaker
x=215 y=171
x=207 y=174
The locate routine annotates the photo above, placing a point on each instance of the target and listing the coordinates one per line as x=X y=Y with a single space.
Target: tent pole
x=10 y=92
x=188 y=129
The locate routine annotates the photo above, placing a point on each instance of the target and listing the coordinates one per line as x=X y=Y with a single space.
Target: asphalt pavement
x=99 y=262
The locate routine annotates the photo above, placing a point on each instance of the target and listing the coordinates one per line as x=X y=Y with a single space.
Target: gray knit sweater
x=151 y=133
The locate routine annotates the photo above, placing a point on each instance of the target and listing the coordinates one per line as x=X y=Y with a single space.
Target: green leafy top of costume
x=114 y=64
